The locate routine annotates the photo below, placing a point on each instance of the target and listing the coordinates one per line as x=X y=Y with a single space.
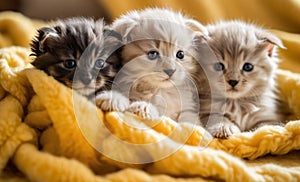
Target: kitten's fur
x=147 y=80
x=91 y=47
x=252 y=102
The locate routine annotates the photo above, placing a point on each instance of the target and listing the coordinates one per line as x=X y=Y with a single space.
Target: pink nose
x=169 y=72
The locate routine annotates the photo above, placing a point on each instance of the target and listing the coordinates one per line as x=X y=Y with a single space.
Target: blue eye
x=248 y=67
x=180 y=54
x=99 y=64
x=153 y=55
x=69 y=63
x=219 y=66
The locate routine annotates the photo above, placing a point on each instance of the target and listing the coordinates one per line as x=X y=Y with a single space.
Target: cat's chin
x=167 y=83
x=234 y=94
x=170 y=82
x=86 y=91
x=161 y=81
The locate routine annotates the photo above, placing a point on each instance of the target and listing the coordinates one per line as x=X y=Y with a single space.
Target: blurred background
x=53 y=9
x=282 y=17
x=273 y=14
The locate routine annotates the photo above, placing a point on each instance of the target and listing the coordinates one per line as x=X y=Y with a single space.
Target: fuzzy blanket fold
x=50 y=133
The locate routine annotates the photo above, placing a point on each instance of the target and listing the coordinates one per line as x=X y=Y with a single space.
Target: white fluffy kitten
x=242 y=94
x=157 y=65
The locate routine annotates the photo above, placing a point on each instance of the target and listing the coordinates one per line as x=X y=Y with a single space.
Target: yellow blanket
x=49 y=133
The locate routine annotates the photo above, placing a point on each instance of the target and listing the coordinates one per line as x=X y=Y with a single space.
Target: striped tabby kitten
x=82 y=54
x=242 y=94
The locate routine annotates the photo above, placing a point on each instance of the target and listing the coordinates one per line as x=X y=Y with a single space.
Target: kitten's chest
x=240 y=111
x=167 y=101
x=235 y=107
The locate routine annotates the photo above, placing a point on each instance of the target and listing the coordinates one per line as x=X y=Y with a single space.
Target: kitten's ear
x=109 y=32
x=196 y=26
x=203 y=50
x=199 y=38
x=125 y=28
x=38 y=45
x=113 y=41
x=269 y=41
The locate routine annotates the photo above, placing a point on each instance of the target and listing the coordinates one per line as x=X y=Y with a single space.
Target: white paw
x=112 y=101
x=223 y=129
x=144 y=109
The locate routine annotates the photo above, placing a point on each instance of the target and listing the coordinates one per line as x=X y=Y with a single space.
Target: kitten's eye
x=99 y=64
x=153 y=55
x=219 y=67
x=180 y=54
x=70 y=63
x=248 y=67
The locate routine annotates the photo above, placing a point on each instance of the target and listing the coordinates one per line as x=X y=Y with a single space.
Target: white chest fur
x=177 y=102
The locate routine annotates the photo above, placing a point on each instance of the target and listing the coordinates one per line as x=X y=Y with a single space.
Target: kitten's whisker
x=254 y=94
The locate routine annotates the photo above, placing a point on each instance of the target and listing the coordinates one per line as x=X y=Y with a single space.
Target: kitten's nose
x=85 y=79
x=233 y=82
x=169 y=72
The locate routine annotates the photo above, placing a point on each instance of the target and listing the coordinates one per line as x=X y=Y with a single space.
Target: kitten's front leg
x=190 y=116
x=222 y=127
x=263 y=123
x=111 y=101
x=144 y=109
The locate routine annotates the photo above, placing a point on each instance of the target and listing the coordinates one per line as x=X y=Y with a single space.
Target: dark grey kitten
x=82 y=54
x=238 y=89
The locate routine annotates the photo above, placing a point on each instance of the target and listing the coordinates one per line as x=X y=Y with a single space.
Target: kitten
x=157 y=65
x=82 y=54
x=240 y=90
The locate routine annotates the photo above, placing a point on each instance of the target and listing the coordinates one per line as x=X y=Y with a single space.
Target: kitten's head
x=246 y=59
x=78 y=52
x=157 y=46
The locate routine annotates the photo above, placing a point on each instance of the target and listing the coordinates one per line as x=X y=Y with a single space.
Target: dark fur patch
x=83 y=41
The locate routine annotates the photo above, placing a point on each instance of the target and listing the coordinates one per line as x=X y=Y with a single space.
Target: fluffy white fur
x=146 y=80
x=252 y=102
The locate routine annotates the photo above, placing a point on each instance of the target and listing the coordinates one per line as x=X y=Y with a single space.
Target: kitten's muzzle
x=233 y=83
x=169 y=72
x=85 y=78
